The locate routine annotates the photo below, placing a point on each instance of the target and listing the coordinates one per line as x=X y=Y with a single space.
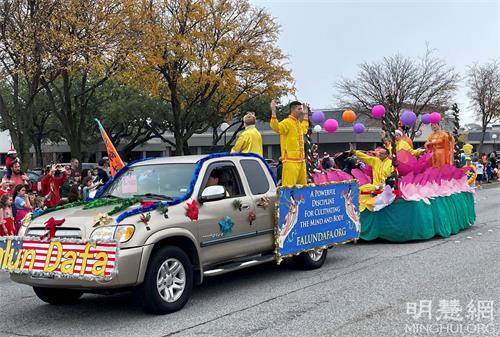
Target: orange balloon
x=348 y=116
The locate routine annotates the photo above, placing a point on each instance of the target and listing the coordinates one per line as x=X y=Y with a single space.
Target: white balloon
x=224 y=126
x=317 y=128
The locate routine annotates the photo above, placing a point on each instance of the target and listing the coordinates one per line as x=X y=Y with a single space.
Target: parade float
x=425 y=196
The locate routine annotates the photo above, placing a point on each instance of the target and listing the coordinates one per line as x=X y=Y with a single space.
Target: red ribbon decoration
x=192 y=210
x=50 y=227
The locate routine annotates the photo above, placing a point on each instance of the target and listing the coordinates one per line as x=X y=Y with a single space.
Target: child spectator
x=5 y=187
x=88 y=187
x=7 y=226
x=479 y=171
x=21 y=204
x=74 y=193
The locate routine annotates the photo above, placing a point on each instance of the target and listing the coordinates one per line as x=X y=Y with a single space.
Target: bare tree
x=400 y=83
x=484 y=92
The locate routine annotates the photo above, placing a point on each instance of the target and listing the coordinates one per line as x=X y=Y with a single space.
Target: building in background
x=202 y=143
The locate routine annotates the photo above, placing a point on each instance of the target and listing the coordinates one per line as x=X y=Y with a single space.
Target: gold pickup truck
x=165 y=259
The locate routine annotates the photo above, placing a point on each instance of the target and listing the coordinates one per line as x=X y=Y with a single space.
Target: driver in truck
x=214 y=179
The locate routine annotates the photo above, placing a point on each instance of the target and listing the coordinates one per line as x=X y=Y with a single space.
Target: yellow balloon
x=467 y=149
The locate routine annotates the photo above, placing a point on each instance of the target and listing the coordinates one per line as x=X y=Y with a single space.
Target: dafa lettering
x=69 y=262
x=321 y=236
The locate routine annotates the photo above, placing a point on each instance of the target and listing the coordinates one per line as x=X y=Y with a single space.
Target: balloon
x=425 y=118
x=359 y=128
x=435 y=118
x=348 y=116
x=331 y=125
x=317 y=128
x=224 y=126
x=378 y=111
x=408 y=118
x=318 y=117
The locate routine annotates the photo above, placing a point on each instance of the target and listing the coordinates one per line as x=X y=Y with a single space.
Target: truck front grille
x=69 y=233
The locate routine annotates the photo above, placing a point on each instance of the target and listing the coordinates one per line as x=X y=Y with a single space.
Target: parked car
x=164 y=261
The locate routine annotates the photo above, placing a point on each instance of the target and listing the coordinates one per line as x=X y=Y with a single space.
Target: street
x=362 y=290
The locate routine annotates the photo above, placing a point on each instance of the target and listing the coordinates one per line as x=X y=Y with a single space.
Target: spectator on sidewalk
x=17 y=177
x=51 y=184
x=22 y=205
x=103 y=170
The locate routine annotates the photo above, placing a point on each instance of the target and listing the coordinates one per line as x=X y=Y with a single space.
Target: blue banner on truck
x=311 y=217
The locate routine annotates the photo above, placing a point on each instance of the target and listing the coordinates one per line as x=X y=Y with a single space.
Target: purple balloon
x=435 y=118
x=331 y=125
x=408 y=118
x=359 y=128
x=318 y=117
x=378 y=111
x=425 y=118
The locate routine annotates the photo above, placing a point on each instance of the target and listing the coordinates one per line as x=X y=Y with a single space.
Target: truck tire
x=310 y=260
x=168 y=282
x=58 y=296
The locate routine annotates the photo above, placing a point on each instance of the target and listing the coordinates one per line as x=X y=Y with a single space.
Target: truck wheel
x=168 y=282
x=58 y=296
x=310 y=260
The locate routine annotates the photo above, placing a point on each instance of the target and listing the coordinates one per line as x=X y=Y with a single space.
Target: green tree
x=130 y=117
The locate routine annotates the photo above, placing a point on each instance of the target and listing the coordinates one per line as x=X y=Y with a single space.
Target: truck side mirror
x=213 y=193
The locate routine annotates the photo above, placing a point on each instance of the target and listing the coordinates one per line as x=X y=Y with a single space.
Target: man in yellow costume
x=292 y=131
x=381 y=169
x=441 y=144
x=249 y=140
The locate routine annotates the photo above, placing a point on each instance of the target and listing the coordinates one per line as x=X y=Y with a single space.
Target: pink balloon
x=435 y=118
x=331 y=125
x=378 y=111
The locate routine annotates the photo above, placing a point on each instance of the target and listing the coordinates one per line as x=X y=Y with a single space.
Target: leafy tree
x=130 y=117
x=207 y=58
x=89 y=42
x=22 y=64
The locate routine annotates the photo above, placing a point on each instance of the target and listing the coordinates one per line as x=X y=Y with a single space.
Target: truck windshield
x=162 y=181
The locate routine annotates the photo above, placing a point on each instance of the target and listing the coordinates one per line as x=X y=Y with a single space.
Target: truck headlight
x=124 y=233
x=103 y=233
x=119 y=233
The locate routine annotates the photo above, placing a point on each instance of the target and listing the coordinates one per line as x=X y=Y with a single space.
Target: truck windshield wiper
x=154 y=195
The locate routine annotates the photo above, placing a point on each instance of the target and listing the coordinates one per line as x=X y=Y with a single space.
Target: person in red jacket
x=51 y=184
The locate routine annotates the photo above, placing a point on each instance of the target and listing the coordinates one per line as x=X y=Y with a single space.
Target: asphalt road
x=362 y=290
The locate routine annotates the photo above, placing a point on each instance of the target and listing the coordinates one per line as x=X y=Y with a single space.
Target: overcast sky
x=326 y=40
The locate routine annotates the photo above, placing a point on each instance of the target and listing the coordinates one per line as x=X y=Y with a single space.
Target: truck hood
x=78 y=224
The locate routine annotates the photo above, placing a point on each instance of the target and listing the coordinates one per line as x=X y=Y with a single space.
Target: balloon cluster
x=331 y=125
x=408 y=118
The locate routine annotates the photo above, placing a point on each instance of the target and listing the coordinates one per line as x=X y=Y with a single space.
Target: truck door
x=263 y=193
x=225 y=232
